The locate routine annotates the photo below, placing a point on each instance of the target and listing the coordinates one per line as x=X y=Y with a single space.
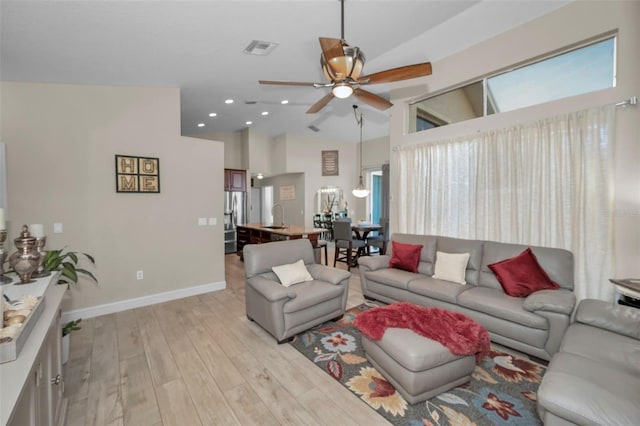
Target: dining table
x=361 y=231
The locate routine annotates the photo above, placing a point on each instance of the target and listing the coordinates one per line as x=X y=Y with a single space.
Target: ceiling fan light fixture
x=347 y=66
x=342 y=90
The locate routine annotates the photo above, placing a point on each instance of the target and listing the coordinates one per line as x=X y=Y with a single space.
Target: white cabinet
x=32 y=386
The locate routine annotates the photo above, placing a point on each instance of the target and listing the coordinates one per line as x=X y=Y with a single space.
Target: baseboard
x=152 y=299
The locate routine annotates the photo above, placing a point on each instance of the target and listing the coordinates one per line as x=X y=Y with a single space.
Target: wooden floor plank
x=139 y=403
x=104 y=399
x=161 y=364
x=282 y=404
x=248 y=407
x=129 y=338
x=176 y=406
x=207 y=398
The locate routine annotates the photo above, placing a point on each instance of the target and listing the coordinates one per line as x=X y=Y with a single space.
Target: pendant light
x=360 y=191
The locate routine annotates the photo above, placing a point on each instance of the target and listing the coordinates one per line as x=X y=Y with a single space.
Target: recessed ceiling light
x=265 y=112
x=213 y=114
x=228 y=101
x=249 y=122
x=200 y=124
x=284 y=102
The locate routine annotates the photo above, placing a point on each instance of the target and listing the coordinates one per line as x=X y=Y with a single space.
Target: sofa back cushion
x=459 y=245
x=557 y=263
x=260 y=258
x=427 y=254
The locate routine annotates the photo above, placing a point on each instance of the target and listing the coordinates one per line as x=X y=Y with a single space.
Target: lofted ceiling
x=198 y=46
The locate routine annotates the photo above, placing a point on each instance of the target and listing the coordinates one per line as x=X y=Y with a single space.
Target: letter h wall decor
x=137 y=174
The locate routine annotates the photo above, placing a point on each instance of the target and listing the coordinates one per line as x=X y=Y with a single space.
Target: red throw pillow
x=405 y=256
x=522 y=275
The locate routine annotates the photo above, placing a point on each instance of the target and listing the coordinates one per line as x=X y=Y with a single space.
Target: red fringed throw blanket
x=456 y=331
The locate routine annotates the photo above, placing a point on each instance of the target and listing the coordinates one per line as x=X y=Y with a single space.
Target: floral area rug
x=502 y=390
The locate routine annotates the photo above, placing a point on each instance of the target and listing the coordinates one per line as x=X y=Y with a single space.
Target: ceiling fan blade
x=372 y=99
x=331 y=48
x=287 y=83
x=320 y=104
x=397 y=74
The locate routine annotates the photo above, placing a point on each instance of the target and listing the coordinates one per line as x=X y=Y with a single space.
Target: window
x=574 y=72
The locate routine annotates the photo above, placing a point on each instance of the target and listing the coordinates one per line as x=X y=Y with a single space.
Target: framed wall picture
x=330 y=163
x=287 y=193
x=137 y=174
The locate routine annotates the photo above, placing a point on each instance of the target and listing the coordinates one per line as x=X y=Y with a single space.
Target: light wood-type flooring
x=199 y=361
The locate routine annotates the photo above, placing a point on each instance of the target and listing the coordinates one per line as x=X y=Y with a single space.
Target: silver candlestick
x=41 y=271
x=3 y=258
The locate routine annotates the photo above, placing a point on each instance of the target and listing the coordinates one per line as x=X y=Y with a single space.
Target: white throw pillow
x=451 y=267
x=292 y=273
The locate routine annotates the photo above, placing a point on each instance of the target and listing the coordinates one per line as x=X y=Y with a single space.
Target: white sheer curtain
x=544 y=183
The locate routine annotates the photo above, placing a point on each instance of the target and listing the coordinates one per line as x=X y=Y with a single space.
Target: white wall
x=61 y=142
x=304 y=154
x=233 y=152
x=571 y=24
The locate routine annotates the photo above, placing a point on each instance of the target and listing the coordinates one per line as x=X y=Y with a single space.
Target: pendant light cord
x=359 y=121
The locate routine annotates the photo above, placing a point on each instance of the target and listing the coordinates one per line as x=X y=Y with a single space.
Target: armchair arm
x=327 y=274
x=270 y=290
x=619 y=319
x=560 y=301
x=373 y=263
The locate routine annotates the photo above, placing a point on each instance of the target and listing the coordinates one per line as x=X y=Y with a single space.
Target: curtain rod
x=631 y=101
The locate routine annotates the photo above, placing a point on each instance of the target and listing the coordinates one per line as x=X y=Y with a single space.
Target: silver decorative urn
x=25 y=260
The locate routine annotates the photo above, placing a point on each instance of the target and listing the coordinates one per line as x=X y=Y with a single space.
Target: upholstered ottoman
x=419 y=368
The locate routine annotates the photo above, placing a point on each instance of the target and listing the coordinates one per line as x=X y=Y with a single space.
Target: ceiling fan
x=342 y=66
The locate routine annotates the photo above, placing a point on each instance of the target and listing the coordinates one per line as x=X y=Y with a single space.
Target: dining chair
x=382 y=239
x=346 y=247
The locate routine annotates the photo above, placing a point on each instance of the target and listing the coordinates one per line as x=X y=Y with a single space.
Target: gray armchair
x=286 y=311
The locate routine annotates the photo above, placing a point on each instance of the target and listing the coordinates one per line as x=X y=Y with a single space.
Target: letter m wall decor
x=137 y=174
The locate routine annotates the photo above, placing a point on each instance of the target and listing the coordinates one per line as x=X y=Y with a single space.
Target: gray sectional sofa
x=534 y=324
x=595 y=377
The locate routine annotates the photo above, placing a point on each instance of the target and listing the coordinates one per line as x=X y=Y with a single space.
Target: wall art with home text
x=137 y=174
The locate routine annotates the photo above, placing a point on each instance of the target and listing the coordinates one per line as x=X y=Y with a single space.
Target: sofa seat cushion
x=393 y=277
x=617 y=351
x=311 y=293
x=496 y=303
x=583 y=391
x=446 y=291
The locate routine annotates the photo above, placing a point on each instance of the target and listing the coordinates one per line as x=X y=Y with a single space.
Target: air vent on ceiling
x=250 y=102
x=314 y=128
x=259 y=47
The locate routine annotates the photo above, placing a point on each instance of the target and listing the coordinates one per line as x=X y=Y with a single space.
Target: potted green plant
x=66 y=262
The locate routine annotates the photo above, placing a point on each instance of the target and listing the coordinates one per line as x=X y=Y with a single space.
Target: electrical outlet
x=213 y=221
x=202 y=221
x=57 y=228
x=140 y=275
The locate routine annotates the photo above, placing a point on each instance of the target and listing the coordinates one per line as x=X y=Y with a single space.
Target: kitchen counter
x=258 y=233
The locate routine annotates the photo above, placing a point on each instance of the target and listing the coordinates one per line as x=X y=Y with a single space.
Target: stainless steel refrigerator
x=235 y=213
